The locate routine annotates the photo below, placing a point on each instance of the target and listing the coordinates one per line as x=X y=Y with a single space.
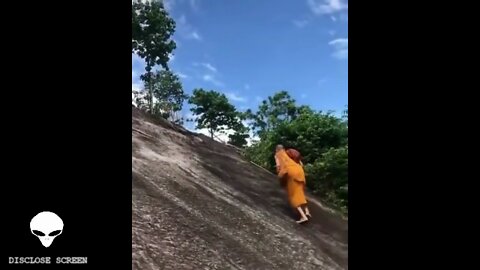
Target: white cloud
x=321 y=7
x=247 y=86
x=258 y=99
x=209 y=66
x=333 y=18
x=211 y=79
x=194 y=35
x=235 y=97
x=182 y=75
x=332 y=32
x=207 y=77
x=340 y=46
x=300 y=23
x=186 y=30
x=171 y=57
x=304 y=96
x=339 y=41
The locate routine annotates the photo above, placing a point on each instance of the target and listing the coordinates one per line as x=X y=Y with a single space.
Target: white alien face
x=46 y=226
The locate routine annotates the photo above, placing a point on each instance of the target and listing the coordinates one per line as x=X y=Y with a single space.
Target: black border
x=68 y=131
x=405 y=131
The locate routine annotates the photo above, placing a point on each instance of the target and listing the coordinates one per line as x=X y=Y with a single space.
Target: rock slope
x=198 y=205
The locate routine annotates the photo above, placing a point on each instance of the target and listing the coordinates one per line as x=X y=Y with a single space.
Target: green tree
x=213 y=111
x=239 y=138
x=274 y=110
x=168 y=91
x=312 y=132
x=152 y=29
x=328 y=176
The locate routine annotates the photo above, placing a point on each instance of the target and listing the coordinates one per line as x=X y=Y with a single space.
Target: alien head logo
x=46 y=226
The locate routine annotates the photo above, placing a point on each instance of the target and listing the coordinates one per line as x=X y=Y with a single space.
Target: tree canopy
x=214 y=111
x=152 y=29
x=168 y=90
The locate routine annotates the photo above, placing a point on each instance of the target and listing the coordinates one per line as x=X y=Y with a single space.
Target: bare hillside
x=198 y=205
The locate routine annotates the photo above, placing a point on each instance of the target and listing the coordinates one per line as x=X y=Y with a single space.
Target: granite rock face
x=197 y=204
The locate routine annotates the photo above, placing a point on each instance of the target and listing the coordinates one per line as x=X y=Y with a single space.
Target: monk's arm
x=277 y=164
x=282 y=173
x=282 y=177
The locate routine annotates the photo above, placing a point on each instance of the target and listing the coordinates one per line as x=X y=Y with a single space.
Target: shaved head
x=279 y=147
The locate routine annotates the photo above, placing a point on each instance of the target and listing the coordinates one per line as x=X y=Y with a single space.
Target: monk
x=297 y=157
x=294 y=177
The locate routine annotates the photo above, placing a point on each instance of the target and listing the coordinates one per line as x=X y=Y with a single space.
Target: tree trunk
x=211 y=133
x=150 y=86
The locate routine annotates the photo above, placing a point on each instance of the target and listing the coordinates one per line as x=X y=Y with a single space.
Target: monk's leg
x=296 y=197
x=302 y=215
x=307 y=211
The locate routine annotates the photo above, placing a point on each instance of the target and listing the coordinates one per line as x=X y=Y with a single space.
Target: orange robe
x=294 y=176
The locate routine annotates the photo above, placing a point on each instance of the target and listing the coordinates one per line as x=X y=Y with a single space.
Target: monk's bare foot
x=308 y=215
x=302 y=220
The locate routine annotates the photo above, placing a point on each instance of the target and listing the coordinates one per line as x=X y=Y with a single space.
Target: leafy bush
x=328 y=176
x=321 y=138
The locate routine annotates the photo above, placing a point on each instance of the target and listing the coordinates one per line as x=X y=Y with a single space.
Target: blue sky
x=250 y=49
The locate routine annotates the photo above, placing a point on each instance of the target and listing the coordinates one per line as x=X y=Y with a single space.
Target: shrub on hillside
x=328 y=176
